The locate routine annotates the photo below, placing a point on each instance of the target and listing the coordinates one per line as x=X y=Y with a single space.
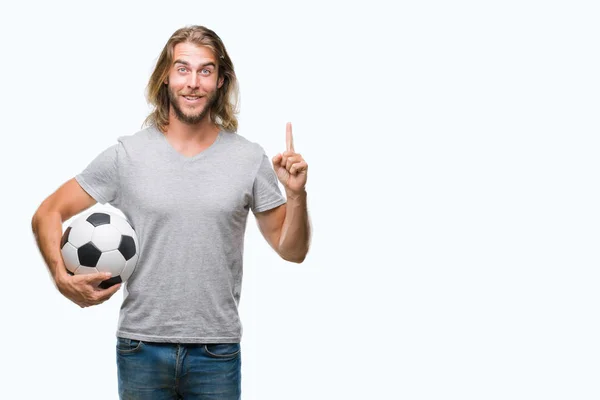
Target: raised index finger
x=289 y=139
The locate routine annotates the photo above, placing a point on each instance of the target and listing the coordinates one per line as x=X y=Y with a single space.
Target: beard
x=195 y=115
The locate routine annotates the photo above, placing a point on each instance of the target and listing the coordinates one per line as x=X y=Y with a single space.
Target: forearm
x=47 y=229
x=294 y=240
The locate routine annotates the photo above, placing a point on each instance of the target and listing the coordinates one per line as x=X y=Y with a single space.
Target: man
x=186 y=183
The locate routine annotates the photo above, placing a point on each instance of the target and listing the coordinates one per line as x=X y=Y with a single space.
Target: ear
x=220 y=82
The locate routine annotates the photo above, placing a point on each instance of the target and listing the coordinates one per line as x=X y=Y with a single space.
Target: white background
x=453 y=190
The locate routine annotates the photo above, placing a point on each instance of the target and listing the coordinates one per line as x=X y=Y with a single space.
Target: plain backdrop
x=453 y=191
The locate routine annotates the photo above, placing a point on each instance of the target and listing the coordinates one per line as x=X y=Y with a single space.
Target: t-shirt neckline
x=182 y=157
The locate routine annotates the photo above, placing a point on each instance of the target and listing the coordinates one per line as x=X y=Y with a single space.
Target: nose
x=193 y=81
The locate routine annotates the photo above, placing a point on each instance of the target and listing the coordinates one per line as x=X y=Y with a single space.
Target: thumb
x=277 y=160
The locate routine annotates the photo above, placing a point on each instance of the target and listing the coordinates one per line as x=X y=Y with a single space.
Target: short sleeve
x=101 y=177
x=265 y=191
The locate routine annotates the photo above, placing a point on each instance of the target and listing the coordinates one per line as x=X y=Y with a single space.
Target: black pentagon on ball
x=110 y=282
x=88 y=255
x=127 y=247
x=98 y=219
x=65 y=237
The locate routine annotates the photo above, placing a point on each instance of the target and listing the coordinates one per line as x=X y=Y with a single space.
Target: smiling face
x=192 y=82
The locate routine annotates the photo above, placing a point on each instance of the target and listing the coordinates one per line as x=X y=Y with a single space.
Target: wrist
x=59 y=277
x=295 y=195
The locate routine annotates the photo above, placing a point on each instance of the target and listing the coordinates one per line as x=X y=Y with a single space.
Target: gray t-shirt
x=190 y=217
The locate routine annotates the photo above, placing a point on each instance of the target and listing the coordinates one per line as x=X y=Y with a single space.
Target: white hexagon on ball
x=106 y=238
x=69 y=254
x=111 y=261
x=122 y=225
x=86 y=270
x=81 y=233
x=129 y=267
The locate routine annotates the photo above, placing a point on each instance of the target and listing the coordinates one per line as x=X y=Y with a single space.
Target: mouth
x=192 y=98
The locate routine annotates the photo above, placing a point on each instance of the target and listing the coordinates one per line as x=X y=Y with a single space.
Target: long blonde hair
x=224 y=110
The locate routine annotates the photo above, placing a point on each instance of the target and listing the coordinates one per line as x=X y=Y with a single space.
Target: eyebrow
x=188 y=64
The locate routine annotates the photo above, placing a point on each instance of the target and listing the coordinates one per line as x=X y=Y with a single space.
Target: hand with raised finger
x=83 y=290
x=290 y=167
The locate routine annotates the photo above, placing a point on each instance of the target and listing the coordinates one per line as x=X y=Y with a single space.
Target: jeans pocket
x=128 y=346
x=222 y=350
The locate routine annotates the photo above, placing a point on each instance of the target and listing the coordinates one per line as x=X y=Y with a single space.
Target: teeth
x=191 y=98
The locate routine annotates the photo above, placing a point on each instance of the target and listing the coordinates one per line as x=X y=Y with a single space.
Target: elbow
x=297 y=258
x=34 y=222
x=38 y=215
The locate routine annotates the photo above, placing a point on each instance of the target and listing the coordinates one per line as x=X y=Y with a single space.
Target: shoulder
x=139 y=145
x=140 y=138
x=242 y=147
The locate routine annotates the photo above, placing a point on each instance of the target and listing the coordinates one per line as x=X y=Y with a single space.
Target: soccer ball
x=100 y=242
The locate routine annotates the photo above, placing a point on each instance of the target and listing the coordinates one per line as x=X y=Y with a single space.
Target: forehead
x=192 y=53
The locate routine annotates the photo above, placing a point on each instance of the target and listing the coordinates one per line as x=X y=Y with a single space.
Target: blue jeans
x=157 y=371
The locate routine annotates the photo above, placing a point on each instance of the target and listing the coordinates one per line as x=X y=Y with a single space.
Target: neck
x=199 y=132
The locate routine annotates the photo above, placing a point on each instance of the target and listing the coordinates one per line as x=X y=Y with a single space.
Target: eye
x=207 y=71
x=181 y=69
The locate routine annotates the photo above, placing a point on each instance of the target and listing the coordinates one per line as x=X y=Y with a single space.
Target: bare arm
x=47 y=221
x=68 y=200
x=287 y=228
